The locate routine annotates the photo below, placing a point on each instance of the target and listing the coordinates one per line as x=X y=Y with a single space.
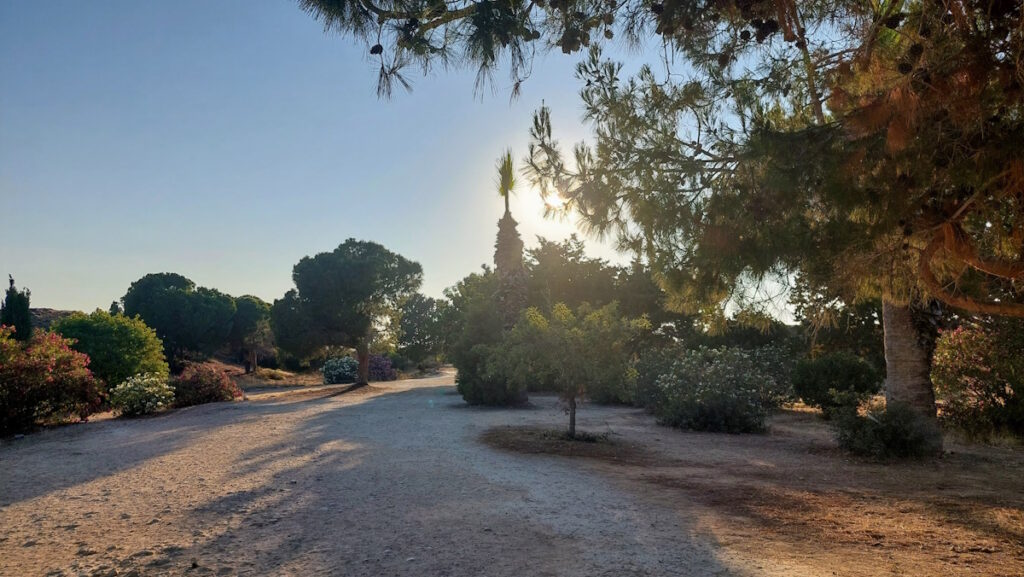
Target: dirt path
x=390 y=480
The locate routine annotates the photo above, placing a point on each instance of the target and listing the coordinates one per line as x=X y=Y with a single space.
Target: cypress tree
x=15 y=311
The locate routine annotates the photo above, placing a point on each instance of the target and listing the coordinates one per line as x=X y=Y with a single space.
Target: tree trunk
x=252 y=363
x=363 y=354
x=572 y=417
x=907 y=362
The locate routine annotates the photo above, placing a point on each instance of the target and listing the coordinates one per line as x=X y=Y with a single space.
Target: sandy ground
x=394 y=480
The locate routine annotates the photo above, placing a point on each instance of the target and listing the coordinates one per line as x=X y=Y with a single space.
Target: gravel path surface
x=389 y=480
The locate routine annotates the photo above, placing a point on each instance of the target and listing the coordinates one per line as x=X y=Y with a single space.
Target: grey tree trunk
x=363 y=355
x=572 y=417
x=907 y=362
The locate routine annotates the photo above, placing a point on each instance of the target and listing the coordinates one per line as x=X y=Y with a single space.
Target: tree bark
x=907 y=362
x=253 y=360
x=363 y=354
x=572 y=417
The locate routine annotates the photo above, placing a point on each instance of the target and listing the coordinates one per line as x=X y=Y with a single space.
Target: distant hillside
x=43 y=318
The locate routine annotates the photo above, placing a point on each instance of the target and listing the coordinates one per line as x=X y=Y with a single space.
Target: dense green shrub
x=483 y=377
x=588 y=350
x=530 y=358
x=648 y=368
x=340 y=370
x=607 y=349
x=381 y=369
x=199 y=384
x=142 y=394
x=835 y=381
x=717 y=390
x=775 y=365
x=897 y=432
x=403 y=363
x=118 y=346
x=477 y=347
x=586 y=353
x=43 y=380
x=978 y=374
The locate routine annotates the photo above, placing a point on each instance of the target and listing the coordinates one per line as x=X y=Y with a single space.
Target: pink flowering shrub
x=199 y=384
x=43 y=380
x=978 y=374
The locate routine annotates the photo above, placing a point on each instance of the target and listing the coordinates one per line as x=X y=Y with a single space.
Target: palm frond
x=506 y=174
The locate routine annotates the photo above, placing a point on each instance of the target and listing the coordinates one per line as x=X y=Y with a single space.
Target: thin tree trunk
x=907 y=362
x=253 y=361
x=572 y=417
x=363 y=354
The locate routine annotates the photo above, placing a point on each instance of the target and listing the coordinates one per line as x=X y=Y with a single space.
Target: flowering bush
x=142 y=395
x=381 y=369
x=199 y=384
x=835 y=381
x=340 y=370
x=978 y=374
x=648 y=368
x=717 y=390
x=774 y=365
x=43 y=379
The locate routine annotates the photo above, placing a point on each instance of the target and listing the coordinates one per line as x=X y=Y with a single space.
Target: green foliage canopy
x=560 y=272
x=585 y=353
x=251 y=314
x=187 y=319
x=423 y=327
x=745 y=160
x=341 y=296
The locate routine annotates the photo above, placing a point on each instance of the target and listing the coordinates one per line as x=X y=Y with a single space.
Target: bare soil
x=402 y=478
x=790 y=503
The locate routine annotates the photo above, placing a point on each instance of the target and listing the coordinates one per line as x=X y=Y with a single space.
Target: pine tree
x=874 y=147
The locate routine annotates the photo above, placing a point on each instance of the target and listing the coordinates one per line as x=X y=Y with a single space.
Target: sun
x=554 y=201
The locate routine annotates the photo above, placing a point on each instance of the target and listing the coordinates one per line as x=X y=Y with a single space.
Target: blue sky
x=225 y=140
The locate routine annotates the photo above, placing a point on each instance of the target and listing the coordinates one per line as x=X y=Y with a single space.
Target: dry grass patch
x=546 y=441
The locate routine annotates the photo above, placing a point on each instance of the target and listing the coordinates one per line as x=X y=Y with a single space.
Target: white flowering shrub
x=340 y=370
x=727 y=390
x=142 y=395
x=774 y=366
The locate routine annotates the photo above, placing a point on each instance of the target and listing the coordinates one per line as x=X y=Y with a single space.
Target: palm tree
x=506 y=177
x=508 y=250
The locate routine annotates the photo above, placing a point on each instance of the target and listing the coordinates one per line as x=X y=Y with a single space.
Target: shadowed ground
x=404 y=479
x=389 y=480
